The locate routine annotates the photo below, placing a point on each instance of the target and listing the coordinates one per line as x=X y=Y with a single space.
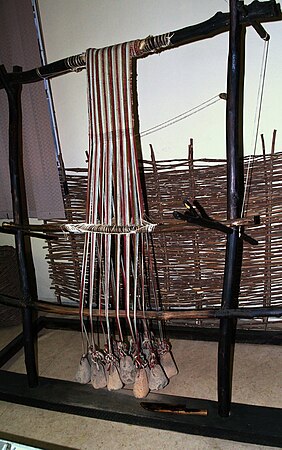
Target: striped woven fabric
x=112 y=261
x=117 y=270
x=113 y=167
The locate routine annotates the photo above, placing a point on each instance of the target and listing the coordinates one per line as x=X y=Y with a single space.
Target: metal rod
x=235 y=181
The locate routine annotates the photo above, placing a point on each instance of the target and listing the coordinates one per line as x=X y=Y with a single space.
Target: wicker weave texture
x=190 y=263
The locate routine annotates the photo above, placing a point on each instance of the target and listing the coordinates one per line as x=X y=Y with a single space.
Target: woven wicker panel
x=190 y=264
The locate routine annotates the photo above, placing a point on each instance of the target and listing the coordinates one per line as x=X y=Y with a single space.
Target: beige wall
x=168 y=84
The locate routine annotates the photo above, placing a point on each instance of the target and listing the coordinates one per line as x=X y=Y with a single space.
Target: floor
x=59 y=353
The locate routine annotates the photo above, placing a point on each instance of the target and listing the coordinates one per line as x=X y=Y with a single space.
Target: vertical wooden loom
x=240 y=16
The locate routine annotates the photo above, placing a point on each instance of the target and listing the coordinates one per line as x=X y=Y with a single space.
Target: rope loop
x=144 y=227
x=164 y=347
x=140 y=362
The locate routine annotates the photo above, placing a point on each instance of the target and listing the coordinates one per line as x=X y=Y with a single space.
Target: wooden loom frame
x=263 y=423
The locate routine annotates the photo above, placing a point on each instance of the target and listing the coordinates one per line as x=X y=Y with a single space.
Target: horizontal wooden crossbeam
x=250 y=15
x=180 y=314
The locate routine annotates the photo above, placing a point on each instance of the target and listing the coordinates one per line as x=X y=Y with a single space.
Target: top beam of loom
x=251 y=15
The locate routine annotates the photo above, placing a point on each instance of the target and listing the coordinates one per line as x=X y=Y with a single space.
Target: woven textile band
x=113 y=155
x=117 y=267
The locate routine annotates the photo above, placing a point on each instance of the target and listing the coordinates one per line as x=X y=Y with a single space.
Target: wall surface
x=168 y=84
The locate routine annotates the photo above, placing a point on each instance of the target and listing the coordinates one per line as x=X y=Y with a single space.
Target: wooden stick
x=207 y=313
x=20 y=213
x=170 y=225
x=235 y=185
x=256 y=12
x=173 y=409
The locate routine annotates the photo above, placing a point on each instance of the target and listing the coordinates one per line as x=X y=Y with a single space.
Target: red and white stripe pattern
x=117 y=270
x=111 y=261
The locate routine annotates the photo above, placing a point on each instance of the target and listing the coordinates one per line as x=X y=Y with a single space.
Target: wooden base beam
x=247 y=423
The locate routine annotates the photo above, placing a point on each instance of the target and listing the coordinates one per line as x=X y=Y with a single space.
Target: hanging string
x=84 y=333
x=182 y=116
x=116 y=247
x=256 y=127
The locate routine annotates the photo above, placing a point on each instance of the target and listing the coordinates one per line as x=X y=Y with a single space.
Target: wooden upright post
x=235 y=185
x=23 y=244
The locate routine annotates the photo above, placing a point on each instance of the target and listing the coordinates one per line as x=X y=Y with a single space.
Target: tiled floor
x=59 y=353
